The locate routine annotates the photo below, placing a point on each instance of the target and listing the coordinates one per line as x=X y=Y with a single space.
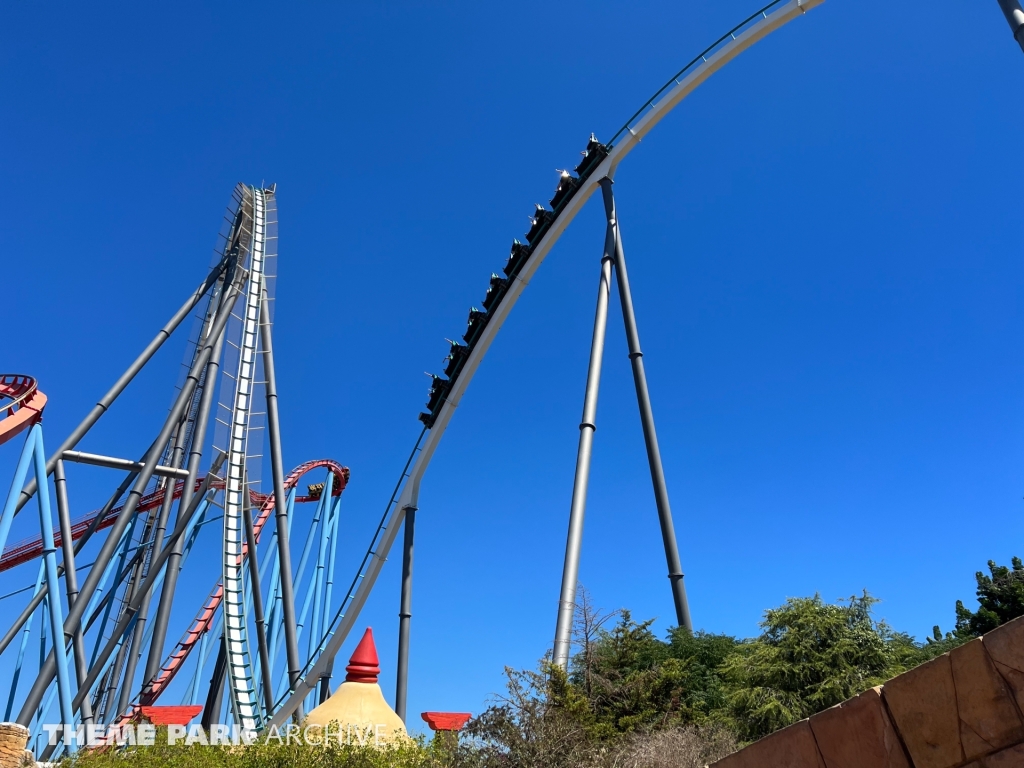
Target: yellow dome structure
x=357 y=713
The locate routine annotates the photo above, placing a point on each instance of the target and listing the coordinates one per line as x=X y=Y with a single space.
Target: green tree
x=636 y=682
x=811 y=656
x=704 y=694
x=625 y=684
x=541 y=719
x=1001 y=598
x=629 y=686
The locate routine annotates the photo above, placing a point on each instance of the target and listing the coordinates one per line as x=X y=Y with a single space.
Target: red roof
x=171 y=715
x=446 y=721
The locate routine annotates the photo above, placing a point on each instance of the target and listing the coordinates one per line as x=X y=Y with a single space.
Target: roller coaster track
x=251 y=257
x=600 y=161
x=244 y=700
x=204 y=618
x=25 y=407
x=32 y=548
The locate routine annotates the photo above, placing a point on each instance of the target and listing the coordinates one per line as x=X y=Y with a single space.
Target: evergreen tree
x=625 y=683
x=810 y=656
x=1001 y=598
x=629 y=685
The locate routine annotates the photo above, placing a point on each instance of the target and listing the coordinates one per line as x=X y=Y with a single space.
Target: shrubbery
x=631 y=699
x=261 y=755
x=625 y=683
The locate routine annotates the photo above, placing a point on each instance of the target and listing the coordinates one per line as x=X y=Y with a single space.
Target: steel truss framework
x=272 y=656
x=123 y=607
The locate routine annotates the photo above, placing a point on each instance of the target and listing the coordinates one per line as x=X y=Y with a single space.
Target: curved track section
x=572 y=194
x=32 y=549
x=204 y=618
x=25 y=407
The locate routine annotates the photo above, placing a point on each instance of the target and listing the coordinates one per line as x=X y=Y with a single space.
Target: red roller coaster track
x=201 y=623
x=30 y=549
x=25 y=408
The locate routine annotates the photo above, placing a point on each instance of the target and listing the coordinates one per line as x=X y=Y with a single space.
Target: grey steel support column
x=105 y=402
x=636 y=358
x=325 y=683
x=48 y=669
x=29 y=609
x=99 y=703
x=160 y=528
x=111 y=702
x=118 y=674
x=1015 y=17
x=131 y=609
x=71 y=577
x=108 y=712
x=574 y=541
x=284 y=554
x=215 y=694
x=195 y=455
x=257 y=603
x=405 y=615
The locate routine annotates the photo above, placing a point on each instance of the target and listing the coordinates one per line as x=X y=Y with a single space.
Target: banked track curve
x=23 y=407
x=205 y=616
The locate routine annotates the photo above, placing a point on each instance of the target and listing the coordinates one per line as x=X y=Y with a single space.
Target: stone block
x=1005 y=646
x=792 y=747
x=922 y=703
x=989 y=719
x=1007 y=758
x=859 y=734
x=13 y=739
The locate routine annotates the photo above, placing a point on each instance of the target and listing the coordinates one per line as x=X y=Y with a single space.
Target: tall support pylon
x=614 y=260
x=33 y=456
x=70 y=577
x=291 y=642
x=77 y=611
x=405 y=615
x=643 y=396
x=588 y=426
x=195 y=455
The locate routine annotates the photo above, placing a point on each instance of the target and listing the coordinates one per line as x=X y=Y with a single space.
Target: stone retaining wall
x=964 y=709
x=13 y=738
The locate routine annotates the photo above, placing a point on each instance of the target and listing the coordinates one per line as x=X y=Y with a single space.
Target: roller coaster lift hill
x=260 y=648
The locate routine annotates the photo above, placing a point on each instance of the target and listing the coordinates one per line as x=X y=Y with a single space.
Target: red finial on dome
x=364 y=666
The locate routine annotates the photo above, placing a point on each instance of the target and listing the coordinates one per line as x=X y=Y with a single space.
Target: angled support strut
x=574 y=542
x=48 y=669
x=105 y=402
x=613 y=260
x=636 y=358
x=291 y=642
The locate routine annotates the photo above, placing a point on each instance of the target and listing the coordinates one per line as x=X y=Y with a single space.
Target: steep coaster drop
x=269 y=630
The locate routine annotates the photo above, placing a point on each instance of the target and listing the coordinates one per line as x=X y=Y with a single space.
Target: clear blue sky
x=825 y=249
